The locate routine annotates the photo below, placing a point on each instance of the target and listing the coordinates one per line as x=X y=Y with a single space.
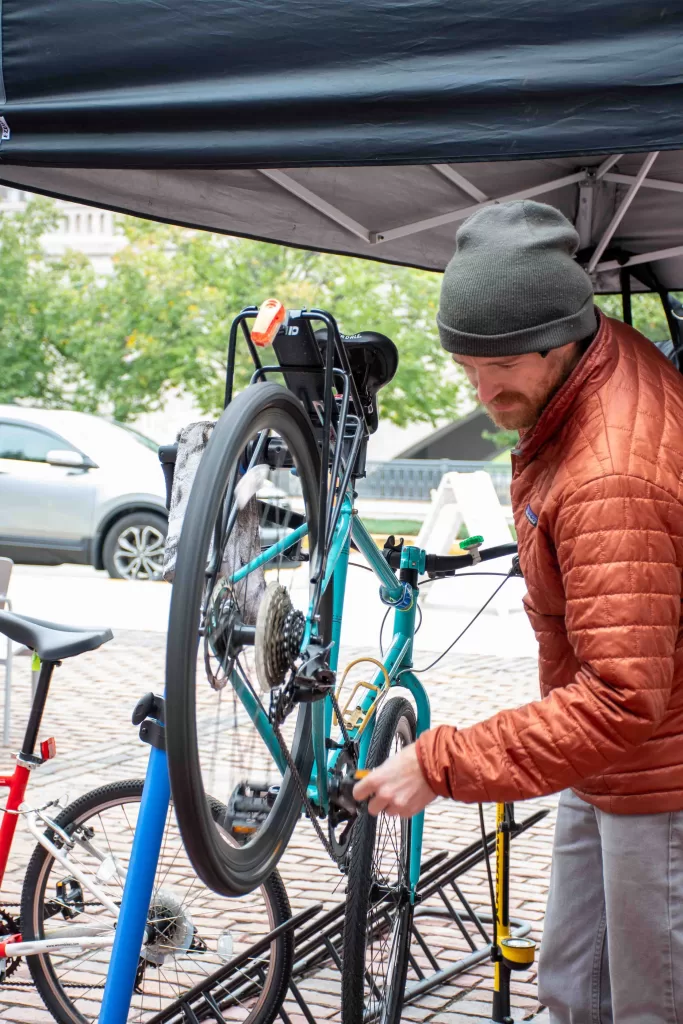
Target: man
x=597 y=496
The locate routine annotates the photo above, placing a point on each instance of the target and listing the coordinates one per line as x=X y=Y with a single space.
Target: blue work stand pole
x=137 y=892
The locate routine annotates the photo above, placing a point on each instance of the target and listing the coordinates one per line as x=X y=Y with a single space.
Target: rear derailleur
x=311 y=681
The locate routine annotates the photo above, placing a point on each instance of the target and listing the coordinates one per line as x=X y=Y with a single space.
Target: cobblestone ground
x=89 y=713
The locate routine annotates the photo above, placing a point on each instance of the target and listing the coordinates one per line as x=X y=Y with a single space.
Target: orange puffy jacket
x=597 y=495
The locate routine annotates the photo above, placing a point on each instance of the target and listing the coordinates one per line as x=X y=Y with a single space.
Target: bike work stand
x=318 y=934
x=137 y=892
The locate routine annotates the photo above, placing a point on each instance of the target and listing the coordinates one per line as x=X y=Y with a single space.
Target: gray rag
x=243 y=544
x=513 y=285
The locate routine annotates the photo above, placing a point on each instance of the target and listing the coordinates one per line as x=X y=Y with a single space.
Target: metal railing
x=414 y=479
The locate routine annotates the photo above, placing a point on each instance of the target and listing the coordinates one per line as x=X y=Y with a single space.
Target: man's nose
x=487 y=388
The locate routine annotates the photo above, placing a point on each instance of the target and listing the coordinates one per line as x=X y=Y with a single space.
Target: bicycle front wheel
x=191 y=934
x=237 y=627
x=379 y=913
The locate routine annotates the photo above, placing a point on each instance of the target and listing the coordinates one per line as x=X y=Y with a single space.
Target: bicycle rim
x=191 y=933
x=257 y=485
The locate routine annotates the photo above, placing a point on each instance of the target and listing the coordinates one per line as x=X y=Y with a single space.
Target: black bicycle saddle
x=374 y=360
x=50 y=640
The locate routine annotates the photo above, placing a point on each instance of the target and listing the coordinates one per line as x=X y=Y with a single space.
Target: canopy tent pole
x=619 y=215
x=643 y=257
x=657 y=183
x=318 y=203
x=626 y=310
x=606 y=165
x=584 y=217
x=457 y=215
x=463 y=183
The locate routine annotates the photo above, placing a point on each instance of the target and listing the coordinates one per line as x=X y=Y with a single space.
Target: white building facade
x=82 y=228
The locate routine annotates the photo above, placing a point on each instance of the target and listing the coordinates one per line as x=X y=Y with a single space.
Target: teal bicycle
x=268 y=537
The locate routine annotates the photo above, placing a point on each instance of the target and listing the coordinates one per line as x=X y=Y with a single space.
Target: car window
x=147 y=442
x=29 y=444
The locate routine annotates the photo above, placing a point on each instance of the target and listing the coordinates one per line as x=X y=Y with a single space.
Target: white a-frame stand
x=469 y=500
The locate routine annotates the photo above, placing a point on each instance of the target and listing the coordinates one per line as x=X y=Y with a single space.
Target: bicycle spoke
x=185 y=923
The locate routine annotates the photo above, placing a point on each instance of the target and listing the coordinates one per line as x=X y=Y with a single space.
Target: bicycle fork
x=509 y=953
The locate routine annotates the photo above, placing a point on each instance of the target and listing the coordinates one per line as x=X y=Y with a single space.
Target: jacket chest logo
x=531 y=515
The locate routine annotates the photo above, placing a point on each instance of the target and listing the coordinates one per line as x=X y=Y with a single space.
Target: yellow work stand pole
x=508 y=954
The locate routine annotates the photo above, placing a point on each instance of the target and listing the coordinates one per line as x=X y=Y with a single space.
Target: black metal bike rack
x=318 y=936
x=318 y=944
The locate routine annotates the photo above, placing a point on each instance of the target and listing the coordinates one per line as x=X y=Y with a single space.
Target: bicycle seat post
x=27 y=756
x=26 y=760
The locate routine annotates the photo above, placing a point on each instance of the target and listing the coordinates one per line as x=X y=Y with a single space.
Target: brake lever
x=516 y=569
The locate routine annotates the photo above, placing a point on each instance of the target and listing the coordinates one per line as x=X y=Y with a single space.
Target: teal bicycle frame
x=397 y=661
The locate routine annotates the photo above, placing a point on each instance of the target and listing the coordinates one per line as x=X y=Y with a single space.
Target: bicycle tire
x=396 y=719
x=232 y=871
x=54 y=992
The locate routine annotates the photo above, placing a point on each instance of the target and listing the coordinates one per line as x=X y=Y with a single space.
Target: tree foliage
x=160 y=320
x=36 y=309
x=647 y=310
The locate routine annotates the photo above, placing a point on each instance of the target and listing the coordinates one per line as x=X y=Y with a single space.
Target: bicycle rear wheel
x=191 y=934
x=257 y=485
x=378 y=912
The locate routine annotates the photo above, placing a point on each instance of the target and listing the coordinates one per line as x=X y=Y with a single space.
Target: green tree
x=647 y=311
x=36 y=310
x=161 y=319
x=171 y=299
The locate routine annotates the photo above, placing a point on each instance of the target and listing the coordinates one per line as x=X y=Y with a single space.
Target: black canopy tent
x=355 y=126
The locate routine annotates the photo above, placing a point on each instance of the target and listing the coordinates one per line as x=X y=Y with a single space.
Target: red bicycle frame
x=17 y=782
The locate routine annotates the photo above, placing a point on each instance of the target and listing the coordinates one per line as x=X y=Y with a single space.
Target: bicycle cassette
x=279 y=632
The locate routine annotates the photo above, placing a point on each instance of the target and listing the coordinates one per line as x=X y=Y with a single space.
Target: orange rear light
x=267 y=323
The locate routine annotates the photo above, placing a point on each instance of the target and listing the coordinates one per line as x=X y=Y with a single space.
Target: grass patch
x=399 y=527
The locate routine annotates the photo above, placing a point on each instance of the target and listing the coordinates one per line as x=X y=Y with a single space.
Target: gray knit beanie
x=513 y=285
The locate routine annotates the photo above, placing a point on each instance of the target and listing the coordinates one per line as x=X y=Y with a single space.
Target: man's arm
x=616 y=543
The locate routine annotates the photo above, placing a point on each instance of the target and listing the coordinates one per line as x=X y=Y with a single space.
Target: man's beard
x=528 y=408
x=525 y=414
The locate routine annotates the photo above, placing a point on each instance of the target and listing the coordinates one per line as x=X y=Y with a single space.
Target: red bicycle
x=74 y=885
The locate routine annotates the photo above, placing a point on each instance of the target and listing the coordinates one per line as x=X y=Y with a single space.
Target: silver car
x=77 y=488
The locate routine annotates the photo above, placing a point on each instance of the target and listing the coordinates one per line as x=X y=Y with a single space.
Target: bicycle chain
x=303 y=791
x=29 y=984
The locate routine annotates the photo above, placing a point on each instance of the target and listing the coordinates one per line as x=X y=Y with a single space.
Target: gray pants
x=616 y=885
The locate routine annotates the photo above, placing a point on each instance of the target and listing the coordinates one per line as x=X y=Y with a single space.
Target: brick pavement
x=89 y=713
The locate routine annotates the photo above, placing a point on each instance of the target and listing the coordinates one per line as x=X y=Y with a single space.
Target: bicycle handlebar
x=437 y=564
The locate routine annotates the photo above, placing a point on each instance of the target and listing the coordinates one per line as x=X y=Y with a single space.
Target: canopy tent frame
x=587 y=178
x=370 y=131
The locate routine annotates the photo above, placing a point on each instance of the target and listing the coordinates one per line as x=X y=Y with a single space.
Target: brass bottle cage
x=355 y=719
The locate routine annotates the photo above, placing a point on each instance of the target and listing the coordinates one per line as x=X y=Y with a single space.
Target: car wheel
x=134 y=547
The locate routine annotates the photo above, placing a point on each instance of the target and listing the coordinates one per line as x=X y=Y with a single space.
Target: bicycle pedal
x=249 y=805
x=341 y=791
